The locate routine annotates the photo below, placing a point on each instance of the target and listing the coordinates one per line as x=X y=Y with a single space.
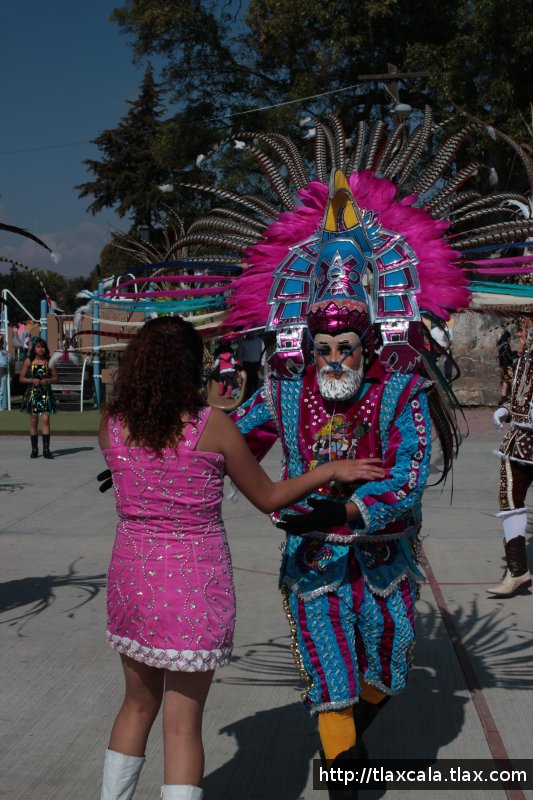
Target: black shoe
x=364 y=714
x=34 y=446
x=347 y=761
x=46 y=446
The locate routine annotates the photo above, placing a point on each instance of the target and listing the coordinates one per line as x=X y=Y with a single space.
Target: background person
x=171 y=604
x=506 y=362
x=516 y=474
x=250 y=350
x=38 y=400
x=225 y=371
x=4 y=375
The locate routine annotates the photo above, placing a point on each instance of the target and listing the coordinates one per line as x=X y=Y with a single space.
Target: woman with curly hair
x=171 y=603
x=38 y=400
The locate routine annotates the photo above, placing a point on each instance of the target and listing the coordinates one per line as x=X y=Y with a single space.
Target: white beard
x=342 y=388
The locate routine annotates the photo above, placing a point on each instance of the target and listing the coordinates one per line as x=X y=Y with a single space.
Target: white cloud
x=77 y=249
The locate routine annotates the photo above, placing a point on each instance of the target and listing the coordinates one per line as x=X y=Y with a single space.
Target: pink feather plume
x=443 y=287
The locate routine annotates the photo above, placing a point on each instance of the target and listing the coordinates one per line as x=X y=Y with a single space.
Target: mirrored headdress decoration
x=351 y=275
x=382 y=227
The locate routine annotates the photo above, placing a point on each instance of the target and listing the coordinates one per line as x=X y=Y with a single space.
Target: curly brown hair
x=158 y=382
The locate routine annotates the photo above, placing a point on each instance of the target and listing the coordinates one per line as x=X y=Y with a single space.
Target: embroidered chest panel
x=315 y=431
x=523 y=390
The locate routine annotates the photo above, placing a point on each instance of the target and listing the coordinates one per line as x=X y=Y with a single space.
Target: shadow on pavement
x=8 y=486
x=69 y=451
x=40 y=592
x=276 y=746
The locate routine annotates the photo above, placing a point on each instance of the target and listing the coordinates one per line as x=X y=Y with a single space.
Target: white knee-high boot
x=181 y=792
x=121 y=773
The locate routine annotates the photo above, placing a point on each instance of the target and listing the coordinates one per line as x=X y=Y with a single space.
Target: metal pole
x=44 y=320
x=97 y=374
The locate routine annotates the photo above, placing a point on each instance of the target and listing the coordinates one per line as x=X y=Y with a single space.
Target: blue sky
x=66 y=75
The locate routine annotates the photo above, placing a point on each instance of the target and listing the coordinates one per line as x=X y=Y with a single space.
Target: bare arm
x=251 y=479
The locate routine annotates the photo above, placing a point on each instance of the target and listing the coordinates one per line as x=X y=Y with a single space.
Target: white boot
x=511 y=585
x=181 y=792
x=121 y=773
x=517 y=576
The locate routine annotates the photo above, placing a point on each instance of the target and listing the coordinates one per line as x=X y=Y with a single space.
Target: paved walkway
x=471 y=689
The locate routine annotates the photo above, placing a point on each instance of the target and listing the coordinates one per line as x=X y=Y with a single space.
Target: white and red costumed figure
x=516 y=473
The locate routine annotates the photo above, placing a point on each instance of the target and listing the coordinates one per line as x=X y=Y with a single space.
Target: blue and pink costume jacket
x=388 y=419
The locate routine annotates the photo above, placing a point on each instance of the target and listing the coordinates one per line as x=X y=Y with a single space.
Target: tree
x=479 y=53
x=128 y=175
x=28 y=291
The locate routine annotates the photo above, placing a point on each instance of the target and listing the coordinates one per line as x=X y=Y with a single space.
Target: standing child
x=38 y=400
x=225 y=370
x=171 y=603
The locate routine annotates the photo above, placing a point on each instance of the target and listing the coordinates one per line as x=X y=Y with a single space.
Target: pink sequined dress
x=171 y=600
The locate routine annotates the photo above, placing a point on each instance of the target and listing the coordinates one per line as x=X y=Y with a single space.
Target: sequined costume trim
x=294 y=644
x=174 y=660
x=511 y=512
x=406 y=573
x=365 y=516
x=517 y=445
x=336 y=705
x=355 y=538
x=292 y=585
x=381 y=686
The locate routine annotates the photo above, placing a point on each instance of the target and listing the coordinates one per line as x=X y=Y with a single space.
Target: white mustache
x=339 y=371
x=345 y=386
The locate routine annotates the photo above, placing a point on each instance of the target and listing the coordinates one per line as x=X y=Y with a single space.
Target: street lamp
x=144 y=233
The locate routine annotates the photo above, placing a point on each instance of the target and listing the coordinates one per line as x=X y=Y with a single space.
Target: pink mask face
x=339 y=363
x=339 y=352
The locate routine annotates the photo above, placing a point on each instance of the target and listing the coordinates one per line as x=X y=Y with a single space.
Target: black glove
x=327 y=514
x=107 y=480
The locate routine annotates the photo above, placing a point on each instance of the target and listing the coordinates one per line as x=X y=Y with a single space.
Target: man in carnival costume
x=516 y=473
x=340 y=274
x=349 y=573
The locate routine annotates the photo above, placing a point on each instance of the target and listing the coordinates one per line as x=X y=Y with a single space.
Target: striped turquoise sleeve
x=407 y=460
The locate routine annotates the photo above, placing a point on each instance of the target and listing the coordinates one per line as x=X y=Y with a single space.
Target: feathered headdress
x=410 y=228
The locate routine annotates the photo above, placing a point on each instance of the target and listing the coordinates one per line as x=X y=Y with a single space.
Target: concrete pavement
x=61 y=685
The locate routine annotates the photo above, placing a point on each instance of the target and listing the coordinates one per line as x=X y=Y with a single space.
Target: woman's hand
x=36 y=382
x=359 y=469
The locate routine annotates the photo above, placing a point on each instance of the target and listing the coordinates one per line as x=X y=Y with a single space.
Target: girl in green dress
x=38 y=400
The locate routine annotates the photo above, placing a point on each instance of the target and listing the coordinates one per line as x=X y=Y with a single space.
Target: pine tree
x=128 y=175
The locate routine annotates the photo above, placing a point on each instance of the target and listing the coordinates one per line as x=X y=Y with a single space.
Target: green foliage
x=219 y=62
x=128 y=175
x=114 y=261
x=28 y=291
x=486 y=66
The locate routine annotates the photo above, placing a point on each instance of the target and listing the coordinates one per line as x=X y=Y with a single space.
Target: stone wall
x=474 y=348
